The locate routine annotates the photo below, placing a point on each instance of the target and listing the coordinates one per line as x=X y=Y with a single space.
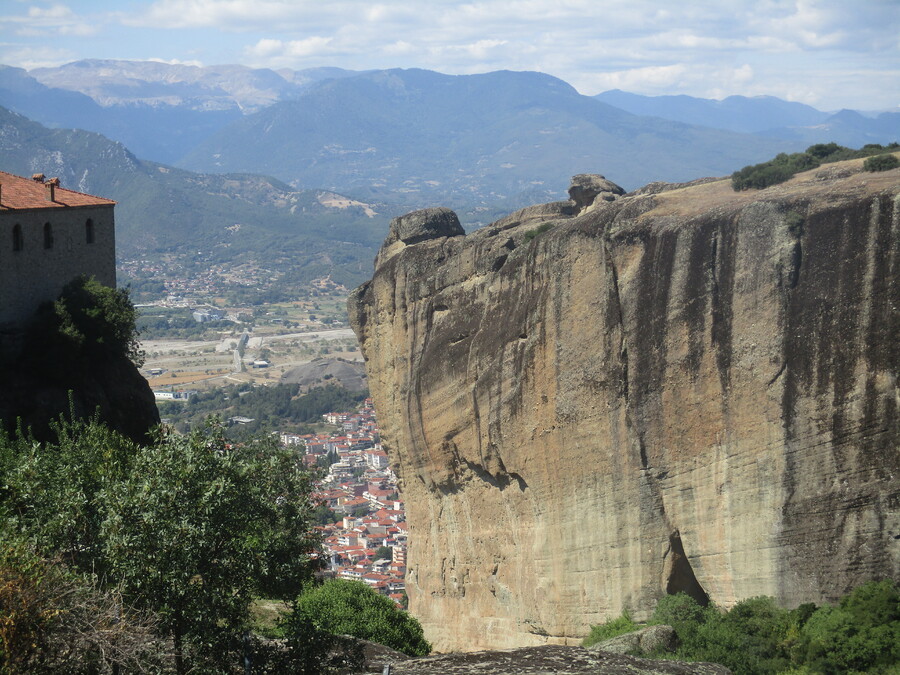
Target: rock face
x=682 y=389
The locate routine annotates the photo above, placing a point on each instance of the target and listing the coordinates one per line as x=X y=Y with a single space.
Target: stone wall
x=679 y=389
x=34 y=274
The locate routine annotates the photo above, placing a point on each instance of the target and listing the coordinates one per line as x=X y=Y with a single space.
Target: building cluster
x=360 y=489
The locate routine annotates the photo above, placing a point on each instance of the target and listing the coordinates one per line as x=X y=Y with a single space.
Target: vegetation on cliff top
x=859 y=634
x=87 y=321
x=784 y=166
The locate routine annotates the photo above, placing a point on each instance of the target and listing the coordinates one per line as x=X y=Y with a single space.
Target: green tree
x=342 y=607
x=747 y=639
x=384 y=552
x=190 y=528
x=861 y=633
x=88 y=318
x=198 y=528
x=684 y=614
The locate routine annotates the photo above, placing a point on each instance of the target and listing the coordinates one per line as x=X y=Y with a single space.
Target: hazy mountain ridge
x=161 y=132
x=163 y=208
x=424 y=138
x=495 y=141
x=118 y=82
x=765 y=115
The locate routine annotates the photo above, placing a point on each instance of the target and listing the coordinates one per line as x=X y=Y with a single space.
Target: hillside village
x=360 y=488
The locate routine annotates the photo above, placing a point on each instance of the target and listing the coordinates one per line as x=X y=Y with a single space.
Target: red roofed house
x=48 y=237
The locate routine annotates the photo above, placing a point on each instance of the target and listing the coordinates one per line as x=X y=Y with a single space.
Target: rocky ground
x=541 y=660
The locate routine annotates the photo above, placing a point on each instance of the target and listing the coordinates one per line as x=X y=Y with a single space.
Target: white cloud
x=22 y=56
x=794 y=48
x=49 y=20
x=278 y=53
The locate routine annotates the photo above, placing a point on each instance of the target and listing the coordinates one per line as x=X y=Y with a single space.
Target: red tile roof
x=27 y=193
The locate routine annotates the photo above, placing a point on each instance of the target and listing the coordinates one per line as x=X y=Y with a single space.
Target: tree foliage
x=342 y=607
x=281 y=405
x=881 y=163
x=87 y=321
x=55 y=620
x=860 y=634
x=189 y=528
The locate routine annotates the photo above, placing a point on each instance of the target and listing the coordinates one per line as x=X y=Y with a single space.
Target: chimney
x=52 y=184
x=37 y=177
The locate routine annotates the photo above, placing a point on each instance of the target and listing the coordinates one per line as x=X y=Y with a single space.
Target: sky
x=830 y=54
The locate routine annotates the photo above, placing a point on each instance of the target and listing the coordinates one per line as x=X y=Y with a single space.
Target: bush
x=53 y=620
x=775 y=171
x=604 y=631
x=340 y=607
x=540 y=229
x=190 y=528
x=88 y=321
x=861 y=633
x=747 y=639
x=684 y=614
x=881 y=163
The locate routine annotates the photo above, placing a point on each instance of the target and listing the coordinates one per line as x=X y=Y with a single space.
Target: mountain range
x=232 y=161
x=764 y=115
x=491 y=141
x=202 y=218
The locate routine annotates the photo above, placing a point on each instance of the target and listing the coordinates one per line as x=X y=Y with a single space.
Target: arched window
x=48 y=236
x=18 y=242
x=89 y=231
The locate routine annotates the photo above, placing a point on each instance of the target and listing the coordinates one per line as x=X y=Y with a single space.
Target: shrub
x=540 y=229
x=604 y=631
x=53 y=620
x=191 y=528
x=342 y=607
x=881 y=163
x=775 y=171
x=684 y=614
x=87 y=320
x=861 y=633
x=748 y=638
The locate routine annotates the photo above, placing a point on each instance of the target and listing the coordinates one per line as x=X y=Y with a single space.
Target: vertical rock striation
x=683 y=388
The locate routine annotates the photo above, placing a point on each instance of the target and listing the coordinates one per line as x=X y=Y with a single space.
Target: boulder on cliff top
x=424 y=224
x=587 y=187
x=646 y=640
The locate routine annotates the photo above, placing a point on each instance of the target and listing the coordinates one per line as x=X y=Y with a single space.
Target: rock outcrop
x=682 y=389
x=544 y=660
x=645 y=640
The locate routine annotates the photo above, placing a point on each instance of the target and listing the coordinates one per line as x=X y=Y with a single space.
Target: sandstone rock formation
x=682 y=389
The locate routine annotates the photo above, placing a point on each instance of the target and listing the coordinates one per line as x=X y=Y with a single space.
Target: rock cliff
x=595 y=402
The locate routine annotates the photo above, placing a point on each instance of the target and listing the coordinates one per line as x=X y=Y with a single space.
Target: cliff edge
x=596 y=402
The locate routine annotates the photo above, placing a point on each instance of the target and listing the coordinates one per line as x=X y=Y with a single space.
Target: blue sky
x=830 y=54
